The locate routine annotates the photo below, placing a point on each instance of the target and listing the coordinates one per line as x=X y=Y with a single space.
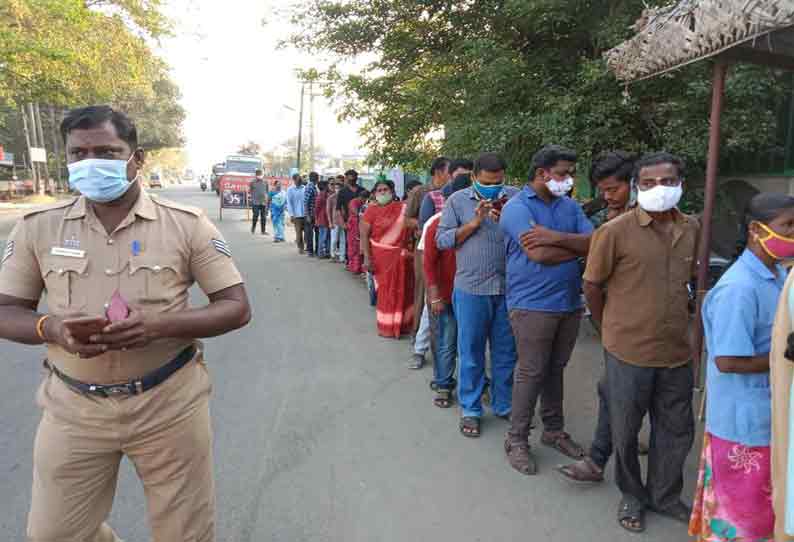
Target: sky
x=236 y=84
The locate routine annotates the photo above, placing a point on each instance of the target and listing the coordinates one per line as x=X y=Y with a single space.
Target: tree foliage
x=460 y=77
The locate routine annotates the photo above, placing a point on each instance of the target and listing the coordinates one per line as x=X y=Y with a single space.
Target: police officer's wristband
x=40 y=327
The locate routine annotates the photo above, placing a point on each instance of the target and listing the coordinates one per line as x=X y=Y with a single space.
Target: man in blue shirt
x=470 y=225
x=295 y=208
x=545 y=233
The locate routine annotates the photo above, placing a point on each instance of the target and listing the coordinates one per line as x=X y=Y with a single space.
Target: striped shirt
x=481 y=258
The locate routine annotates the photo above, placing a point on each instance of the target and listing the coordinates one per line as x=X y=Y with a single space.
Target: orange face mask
x=774 y=244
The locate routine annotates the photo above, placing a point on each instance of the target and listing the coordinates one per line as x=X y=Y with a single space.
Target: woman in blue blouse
x=733 y=498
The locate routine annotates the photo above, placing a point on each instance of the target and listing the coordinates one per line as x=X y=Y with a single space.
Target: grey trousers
x=666 y=395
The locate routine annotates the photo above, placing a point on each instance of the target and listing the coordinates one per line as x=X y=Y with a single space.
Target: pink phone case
x=118 y=309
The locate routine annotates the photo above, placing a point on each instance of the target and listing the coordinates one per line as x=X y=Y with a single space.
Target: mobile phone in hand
x=82 y=328
x=499 y=203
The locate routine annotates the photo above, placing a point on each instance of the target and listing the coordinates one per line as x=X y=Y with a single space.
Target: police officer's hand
x=136 y=331
x=56 y=332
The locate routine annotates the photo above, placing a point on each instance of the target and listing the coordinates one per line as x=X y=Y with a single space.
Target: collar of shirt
x=756 y=266
x=143 y=208
x=530 y=193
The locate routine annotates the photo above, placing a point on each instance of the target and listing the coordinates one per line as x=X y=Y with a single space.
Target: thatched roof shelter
x=670 y=37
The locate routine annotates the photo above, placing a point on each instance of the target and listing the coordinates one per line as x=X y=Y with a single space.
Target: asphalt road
x=322 y=434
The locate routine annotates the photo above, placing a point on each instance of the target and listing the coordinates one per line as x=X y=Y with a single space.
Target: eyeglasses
x=648 y=183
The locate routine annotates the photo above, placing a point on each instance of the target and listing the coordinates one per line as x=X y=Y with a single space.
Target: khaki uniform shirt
x=646 y=271
x=153 y=257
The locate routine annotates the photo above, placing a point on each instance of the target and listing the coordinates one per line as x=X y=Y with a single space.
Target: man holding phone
x=545 y=233
x=126 y=372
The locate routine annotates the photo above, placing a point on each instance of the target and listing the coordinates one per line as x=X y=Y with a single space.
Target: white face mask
x=559 y=188
x=660 y=198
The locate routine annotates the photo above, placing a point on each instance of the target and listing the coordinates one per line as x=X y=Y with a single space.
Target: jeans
x=342 y=256
x=482 y=319
x=422 y=339
x=259 y=211
x=545 y=342
x=308 y=236
x=334 y=241
x=322 y=246
x=601 y=448
x=444 y=330
x=666 y=395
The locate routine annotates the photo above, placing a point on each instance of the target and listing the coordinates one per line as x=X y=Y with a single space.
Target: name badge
x=67 y=252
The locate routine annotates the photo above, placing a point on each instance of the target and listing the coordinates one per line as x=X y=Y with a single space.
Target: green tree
x=510 y=75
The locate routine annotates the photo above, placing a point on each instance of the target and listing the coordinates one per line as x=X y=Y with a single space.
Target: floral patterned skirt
x=733 y=500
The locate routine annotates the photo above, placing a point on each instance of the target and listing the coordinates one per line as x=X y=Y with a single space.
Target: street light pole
x=300 y=128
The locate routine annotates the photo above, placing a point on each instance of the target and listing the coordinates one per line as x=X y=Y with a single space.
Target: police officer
x=125 y=370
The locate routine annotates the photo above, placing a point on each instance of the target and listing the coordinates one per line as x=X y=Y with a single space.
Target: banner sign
x=234 y=192
x=38 y=154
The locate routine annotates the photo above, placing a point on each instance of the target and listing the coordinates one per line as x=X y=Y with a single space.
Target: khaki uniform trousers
x=166 y=434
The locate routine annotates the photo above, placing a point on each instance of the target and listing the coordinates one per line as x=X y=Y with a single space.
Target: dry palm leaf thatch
x=675 y=35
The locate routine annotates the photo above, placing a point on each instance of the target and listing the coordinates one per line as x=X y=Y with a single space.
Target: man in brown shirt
x=125 y=370
x=439 y=175
x=645 y=259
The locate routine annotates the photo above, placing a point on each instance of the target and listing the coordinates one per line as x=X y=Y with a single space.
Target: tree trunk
x=30 y=143
x=40 y=130
x=56 y=147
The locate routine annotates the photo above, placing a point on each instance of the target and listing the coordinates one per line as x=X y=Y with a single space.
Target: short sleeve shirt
x=646 y=272
x=152 y=258
x=738 y=315
x=532 y=286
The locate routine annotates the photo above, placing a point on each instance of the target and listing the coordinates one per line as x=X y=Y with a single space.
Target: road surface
x=322 y=434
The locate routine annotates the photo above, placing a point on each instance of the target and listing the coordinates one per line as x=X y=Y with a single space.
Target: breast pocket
x=65 y=280
x=153 y=282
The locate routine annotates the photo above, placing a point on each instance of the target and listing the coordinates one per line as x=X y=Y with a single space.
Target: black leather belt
x=133 y=387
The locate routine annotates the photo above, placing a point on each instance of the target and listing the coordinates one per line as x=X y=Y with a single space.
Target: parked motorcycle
x=203 y=186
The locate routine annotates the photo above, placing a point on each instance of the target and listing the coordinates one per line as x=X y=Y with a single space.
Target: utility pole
x=311 y=124
x=26 y=129
x=56 y=146
x=300 y=128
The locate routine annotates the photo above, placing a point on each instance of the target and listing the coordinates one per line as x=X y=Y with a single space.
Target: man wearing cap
x=125 y=371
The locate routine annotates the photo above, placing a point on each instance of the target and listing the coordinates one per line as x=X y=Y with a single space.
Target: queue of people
x=494 y=281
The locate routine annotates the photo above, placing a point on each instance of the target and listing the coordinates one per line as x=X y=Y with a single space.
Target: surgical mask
x=559 y=188
x=99 y=179
x=660 y=198
x=383 y=199
x=489 y=191
x=777 y=246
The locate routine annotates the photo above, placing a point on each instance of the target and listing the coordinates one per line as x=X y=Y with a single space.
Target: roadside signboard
x=234 y=193
x=6 y=158
x=38 y=154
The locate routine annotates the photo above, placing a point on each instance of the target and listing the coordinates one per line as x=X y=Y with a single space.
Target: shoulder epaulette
x=52 y=207
x=178 y=206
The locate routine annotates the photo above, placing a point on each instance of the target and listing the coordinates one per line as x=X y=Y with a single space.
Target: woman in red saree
x=383 y=242
x=355 y=260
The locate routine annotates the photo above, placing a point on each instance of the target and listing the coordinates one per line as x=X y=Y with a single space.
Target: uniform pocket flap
x=61 y=265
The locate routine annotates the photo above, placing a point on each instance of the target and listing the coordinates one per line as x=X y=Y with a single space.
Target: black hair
x=258 y=172
x=387 y=182
x=464 y=163
x=657 y=158
x=364 y=194
x=97 y=115
x=548 y=156
x=489 y=161
x=764 y=208
x=295 y=177
x=352 y=172
x=410 y=186
x=314 y=176
x=322 y=185
x=618 y=164
x=440 y=163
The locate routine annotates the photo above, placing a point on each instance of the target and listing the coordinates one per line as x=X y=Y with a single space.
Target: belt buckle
x=115 y=389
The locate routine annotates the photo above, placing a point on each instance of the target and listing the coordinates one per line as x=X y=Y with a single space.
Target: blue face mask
x=100 y=180
x=488 y=191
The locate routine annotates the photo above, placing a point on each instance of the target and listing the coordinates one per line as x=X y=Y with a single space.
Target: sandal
x=582 y=472
x=520 y=457
x=563 y=443
x=470 y=426
x=631 y=515
x=678 y=512
x=443 y=398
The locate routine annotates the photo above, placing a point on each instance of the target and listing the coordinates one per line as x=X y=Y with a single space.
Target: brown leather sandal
x=443 y=398
x=520 y=457
x=563 y=443
x=470 y=426
x=582 y=472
